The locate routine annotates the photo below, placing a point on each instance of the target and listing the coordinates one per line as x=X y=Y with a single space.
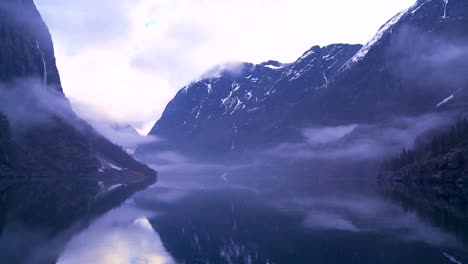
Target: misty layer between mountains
x=433 y=62
x=34 y=108
x=354 y=144
x=41 y=104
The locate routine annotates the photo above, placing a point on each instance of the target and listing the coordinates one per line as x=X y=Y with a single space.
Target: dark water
x=211 y=219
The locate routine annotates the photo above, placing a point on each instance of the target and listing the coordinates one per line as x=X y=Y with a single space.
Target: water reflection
x=123 y=235
x=39 y=216
x=329 y=222
x=445 y=206
x=36 y=217
x=204 y=218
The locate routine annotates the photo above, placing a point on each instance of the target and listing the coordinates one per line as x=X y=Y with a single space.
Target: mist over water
x=266 y=214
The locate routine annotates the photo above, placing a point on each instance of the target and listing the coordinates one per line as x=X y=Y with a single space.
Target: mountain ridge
x=243 y=98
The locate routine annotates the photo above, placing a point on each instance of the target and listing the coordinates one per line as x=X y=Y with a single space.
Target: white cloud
x=128 y=58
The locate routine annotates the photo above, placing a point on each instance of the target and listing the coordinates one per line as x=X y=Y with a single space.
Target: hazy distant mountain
x=230 y=106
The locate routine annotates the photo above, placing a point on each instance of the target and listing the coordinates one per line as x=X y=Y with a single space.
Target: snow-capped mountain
x=418 y=58
x=229 y=106
x=415 y=62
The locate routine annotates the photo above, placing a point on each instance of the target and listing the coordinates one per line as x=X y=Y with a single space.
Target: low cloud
x=359 y=141
x=430 y=59
x=329 y=221
x=121 y=134
x=366 y=214
x=27 y=103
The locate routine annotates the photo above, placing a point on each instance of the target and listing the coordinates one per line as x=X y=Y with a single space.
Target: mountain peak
x=224 y=109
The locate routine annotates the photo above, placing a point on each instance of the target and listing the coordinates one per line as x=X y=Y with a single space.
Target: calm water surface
x=213 y=220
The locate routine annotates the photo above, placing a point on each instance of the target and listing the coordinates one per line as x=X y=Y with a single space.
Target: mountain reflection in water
x=211 y=220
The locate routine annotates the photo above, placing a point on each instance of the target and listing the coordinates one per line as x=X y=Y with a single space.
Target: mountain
x=232 y=106
x=41 y=135
x=415 y=64
x=415 y=61
x=26 y=45
x=57 y=173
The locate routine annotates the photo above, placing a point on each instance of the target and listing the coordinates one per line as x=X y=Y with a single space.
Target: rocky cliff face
x=46 y=136
x=26 y=44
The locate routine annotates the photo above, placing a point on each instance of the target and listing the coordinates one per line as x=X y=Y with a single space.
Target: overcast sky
x=124 y=60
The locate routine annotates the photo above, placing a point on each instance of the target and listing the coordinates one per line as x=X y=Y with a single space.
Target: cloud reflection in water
x=122 y=236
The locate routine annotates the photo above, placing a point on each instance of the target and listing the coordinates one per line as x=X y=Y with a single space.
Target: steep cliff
x=26 y=44
x=46 y=135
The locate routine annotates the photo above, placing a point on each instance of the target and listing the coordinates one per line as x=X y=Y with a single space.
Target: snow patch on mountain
x=297 y=73
x=114 y=187
x=115 y=167
x=305 y=55
x=416 y=8
x=325 y=77
x=274 y=67
x=235 y=86
x=239 y=105
x=224 y=100
x=364 y=50
x=451 y=258
x=332 y=55
x=448 y=99
x=248 y=95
